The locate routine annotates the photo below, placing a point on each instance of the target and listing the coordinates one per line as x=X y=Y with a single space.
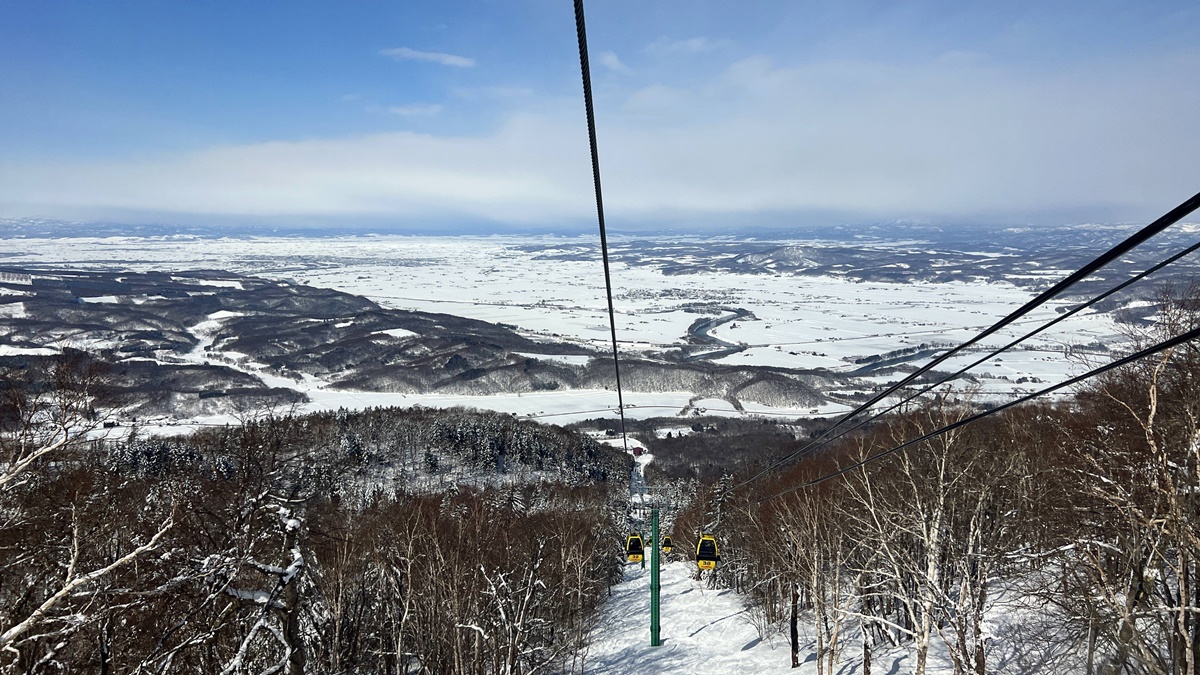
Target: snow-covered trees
x=46 y=407
x=1085 y=509
x=48 y=557
x=1134 y=567
x=458 y=584
x=293 y=544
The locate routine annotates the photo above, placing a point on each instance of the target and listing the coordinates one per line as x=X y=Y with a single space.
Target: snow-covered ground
x=797 y=322
x=704 y=631
x=800 y=322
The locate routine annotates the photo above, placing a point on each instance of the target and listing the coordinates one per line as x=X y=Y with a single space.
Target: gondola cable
x=1170 y=218
x=821 y=441
x=1154 y=349
x=585 y=72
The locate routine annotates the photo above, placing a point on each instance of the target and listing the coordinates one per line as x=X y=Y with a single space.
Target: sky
x=714 y=115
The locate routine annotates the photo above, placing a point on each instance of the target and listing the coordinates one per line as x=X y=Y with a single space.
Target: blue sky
x=711 y=114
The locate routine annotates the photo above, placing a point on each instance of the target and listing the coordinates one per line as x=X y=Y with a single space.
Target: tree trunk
x=980 y=646
x=1091 y=648
x=793 y=626
x=1195 y=627
x=1186 y=663
x=105 y=651
x=866 y=652
x=820 y=640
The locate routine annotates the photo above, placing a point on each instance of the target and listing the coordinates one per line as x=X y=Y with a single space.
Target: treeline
x=264 y=548
x=1079 y=520
x=414 y=449
x=713 y=446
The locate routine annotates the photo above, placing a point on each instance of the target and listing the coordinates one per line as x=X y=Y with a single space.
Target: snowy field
x=796 y=322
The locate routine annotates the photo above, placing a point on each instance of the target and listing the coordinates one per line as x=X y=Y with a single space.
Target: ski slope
x=710 y=631
x=702 y=630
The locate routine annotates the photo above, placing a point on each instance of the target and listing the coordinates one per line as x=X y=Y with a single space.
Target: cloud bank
x=949 y=140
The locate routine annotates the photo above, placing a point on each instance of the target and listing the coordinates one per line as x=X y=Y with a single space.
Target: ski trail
x=709 y=631
x=702 y=630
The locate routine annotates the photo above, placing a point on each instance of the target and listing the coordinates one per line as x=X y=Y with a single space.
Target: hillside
x=199 y=342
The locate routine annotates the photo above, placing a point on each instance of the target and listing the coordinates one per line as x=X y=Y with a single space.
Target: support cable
x=821 y=441
x=1162 y=346
x=1162 y=223
x=585 y=71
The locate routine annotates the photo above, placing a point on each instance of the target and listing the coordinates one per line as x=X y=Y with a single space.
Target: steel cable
x=1134 y=240
x=1162 y=346
x=585 y=71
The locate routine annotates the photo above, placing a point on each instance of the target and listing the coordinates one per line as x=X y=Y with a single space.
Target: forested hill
x=381 y=541
x=402 y=449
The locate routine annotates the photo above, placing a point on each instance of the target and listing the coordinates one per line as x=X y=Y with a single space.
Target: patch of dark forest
x=1029 y=257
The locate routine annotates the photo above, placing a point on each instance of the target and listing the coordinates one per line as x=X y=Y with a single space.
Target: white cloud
x=405 y=53
x=494 y=93
x=613 y=62
x=863 y=140
x=654 y=99
x=665 y=45
x=520 y=174
x=415 y=109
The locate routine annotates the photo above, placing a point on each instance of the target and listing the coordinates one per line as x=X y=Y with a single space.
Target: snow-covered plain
x=797 y=321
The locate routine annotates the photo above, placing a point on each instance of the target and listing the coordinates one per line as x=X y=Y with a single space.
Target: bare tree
x=1139 y=475
x=46 y=413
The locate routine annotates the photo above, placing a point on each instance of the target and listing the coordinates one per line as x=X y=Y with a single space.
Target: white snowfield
x=220 y=283
x=396 y=332
x=799 y=322
x=796 y=322
x=9 y=350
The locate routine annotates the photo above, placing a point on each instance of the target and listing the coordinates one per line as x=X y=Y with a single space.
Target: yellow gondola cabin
x=707 y=554
x=634 y=548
